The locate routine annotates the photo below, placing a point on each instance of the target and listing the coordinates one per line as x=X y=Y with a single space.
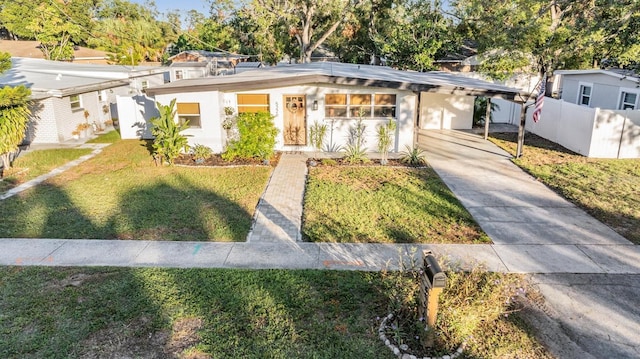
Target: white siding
x=42 y=126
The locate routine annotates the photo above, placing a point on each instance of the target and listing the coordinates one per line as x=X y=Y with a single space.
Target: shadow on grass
x=159 y=211
x=532 y=140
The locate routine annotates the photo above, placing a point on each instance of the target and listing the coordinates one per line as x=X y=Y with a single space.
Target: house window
x=253 y=103
x=75 y=102
x=584 y=97
x=179 y=75
x=360 y=105
x=145 y=85
x=102 y=96
x=628 y=101
x=189 y=111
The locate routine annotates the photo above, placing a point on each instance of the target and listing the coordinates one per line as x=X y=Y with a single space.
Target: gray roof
x=344 y=74
x=54 y=78
x=618 y=73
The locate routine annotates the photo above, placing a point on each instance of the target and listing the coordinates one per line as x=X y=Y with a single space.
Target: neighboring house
x=31 y=49
x=334 y=94
x=199 y=63
x=597 y=114
x=614 y=89
x=67 y=94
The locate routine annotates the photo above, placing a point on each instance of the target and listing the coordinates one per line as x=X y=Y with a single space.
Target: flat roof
x=344 y=74
x=55 y=78
x=618 y=73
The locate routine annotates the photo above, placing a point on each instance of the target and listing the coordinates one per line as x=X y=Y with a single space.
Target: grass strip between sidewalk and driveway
x=384 y=205
x=607 y=189
x=121 y=194
x=221 y=313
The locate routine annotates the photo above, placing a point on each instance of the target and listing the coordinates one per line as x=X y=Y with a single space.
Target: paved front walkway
x=279 y=213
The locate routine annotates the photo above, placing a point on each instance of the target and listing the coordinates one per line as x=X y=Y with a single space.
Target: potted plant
x=75 y=134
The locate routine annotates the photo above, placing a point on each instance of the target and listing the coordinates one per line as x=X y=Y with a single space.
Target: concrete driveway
x=592 y=282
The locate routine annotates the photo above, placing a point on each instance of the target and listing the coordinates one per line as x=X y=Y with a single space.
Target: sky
x=182 y=5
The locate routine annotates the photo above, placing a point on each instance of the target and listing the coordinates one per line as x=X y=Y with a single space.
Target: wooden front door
x=295 y=120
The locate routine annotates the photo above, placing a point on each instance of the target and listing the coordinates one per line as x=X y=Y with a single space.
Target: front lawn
x=222 y=313
x=608 y=189
x=384 y=205
x=121 y=194
x=36 y=163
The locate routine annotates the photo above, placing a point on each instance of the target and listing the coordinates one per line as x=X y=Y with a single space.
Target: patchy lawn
x=220 y=313
x=608 y=189
x=121 y=194
x=36 y=163
x=384 y=205
x=109 y=137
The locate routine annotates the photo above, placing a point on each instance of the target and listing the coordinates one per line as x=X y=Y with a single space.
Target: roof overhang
x=254 y=81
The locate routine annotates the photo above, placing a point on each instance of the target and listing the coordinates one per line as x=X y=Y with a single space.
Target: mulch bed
x=216 y=161
x=320 y=162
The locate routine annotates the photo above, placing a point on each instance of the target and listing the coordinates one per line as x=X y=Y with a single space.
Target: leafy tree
x=257 y=137
x=54 y=32
x=168 y=142
x=14 y=115
x=550 y=34
x=308 y=22
x=15 y=16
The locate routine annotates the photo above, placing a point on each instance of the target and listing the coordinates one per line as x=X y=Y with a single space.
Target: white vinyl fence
x=592 y=132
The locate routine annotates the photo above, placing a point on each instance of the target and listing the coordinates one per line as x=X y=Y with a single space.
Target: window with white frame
x=179 y=75
x=584 y=96
x=144 y=85
x=628 y=100
x=360 y=105
x=102 y=96
x=189 y=111
x=75 y=102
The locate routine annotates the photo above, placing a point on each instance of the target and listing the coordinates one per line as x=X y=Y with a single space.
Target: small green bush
x=413 y=157
x=257 y=137
x=329 y=162
x=201 y=152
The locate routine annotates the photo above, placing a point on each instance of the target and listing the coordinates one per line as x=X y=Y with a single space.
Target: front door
x=295 y=124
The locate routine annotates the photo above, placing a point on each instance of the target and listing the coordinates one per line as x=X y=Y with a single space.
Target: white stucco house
x=65 y=94
x=335 y=94
x=614 y=89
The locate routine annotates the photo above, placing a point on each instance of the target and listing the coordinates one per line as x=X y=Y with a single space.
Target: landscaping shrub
x=168 y=142
x=257 y=137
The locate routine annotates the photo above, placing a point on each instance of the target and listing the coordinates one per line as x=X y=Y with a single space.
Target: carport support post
x=487 y=118
x=523 y=119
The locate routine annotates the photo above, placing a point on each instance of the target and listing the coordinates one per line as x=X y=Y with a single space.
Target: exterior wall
x=210 y=133
x=605 y=90
x=135 y=113
x=67 y=120
x=441 y=111
x=589 y=132
x=42 y=125
x=338 y=133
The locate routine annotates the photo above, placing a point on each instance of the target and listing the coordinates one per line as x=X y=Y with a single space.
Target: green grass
x=121 y=194
x=384 y=205
x=36 y=163
x=608 y=189
x=109 y=137
x=215 y=313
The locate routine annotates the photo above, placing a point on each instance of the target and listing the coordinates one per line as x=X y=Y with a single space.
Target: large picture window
x=253 y=103
x=189 y=111
x=359 y=105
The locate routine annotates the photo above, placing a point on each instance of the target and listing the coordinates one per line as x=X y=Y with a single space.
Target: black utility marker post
x=523 y=120
x=487 y=118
